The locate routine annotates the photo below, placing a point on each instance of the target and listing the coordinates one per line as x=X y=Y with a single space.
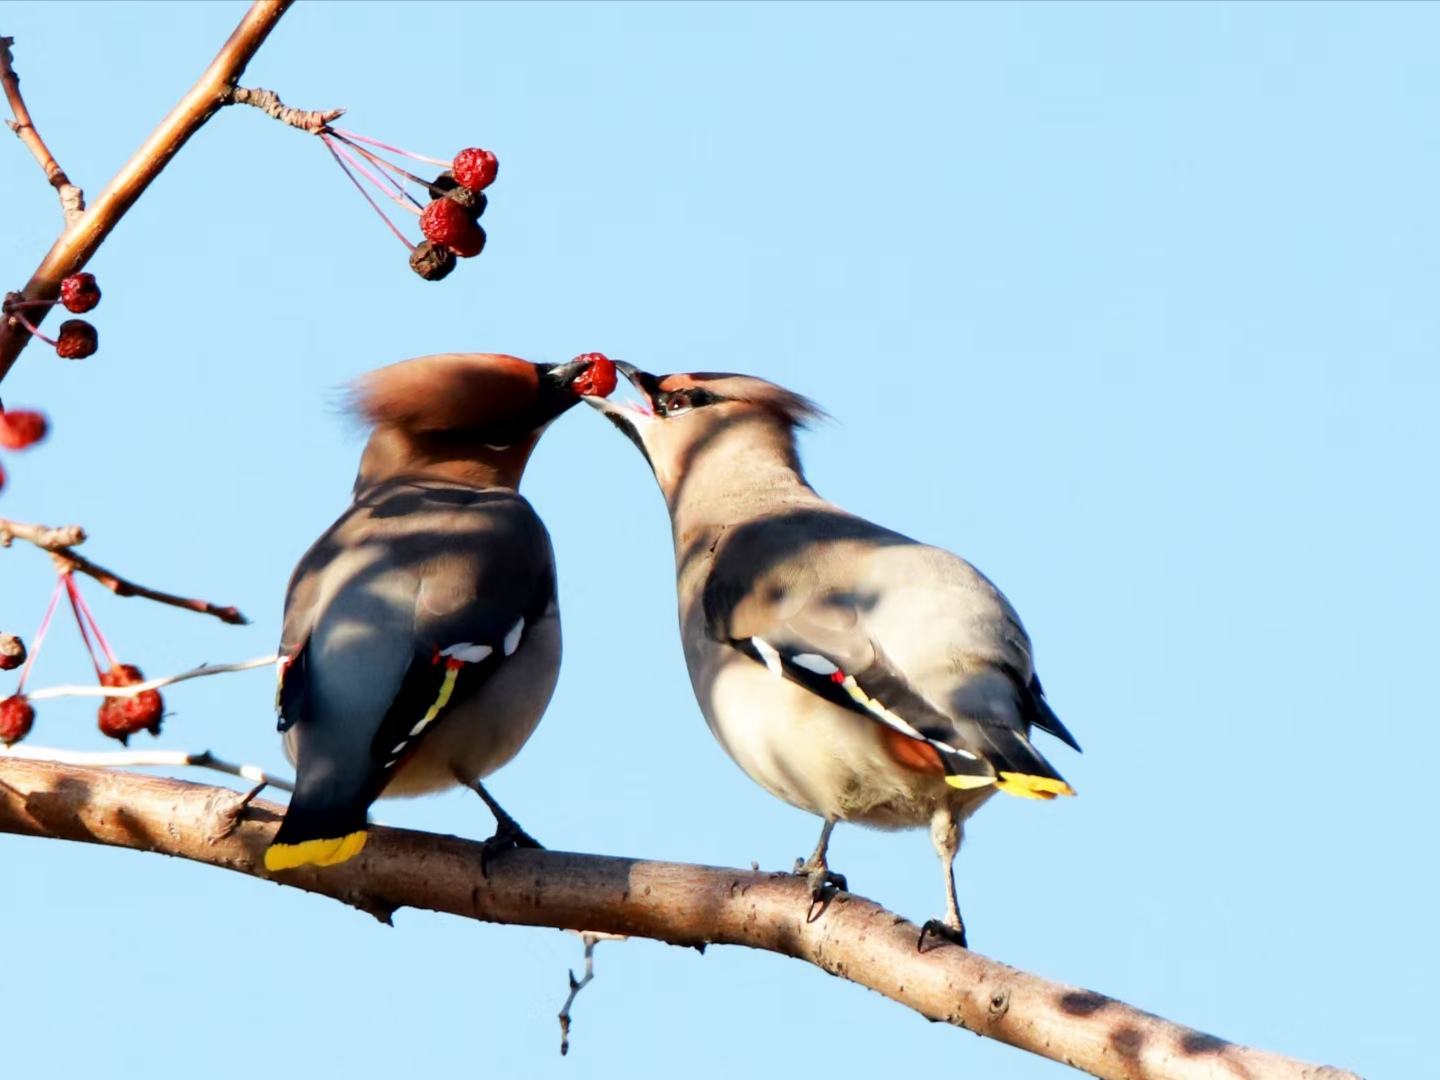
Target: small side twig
x=151 y=684
x=267 y=101
x=72 y=199
x=60 y=543
x=591 y=938
x=168 y=759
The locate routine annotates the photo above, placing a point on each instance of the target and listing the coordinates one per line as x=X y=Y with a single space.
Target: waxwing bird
x=421 y=641
x=849 y=670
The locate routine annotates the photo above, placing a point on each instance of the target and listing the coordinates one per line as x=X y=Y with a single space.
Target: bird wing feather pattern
x=403 y=609
x=910 y=635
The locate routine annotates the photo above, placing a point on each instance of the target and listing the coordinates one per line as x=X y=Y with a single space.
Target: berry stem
x=80 y=622
x=78 y=599
x=393 y=149
x=392 y=167
x=391 y=188
x=39 y=638
x=329 y=145
x=28 y=325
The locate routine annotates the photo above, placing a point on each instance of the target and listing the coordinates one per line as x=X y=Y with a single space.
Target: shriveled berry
x=476 y=168
x=17 y=717
x=122 y=717
x=474 y=202
x=432 y=261
x=20 y=428
x=598 y=379
x=12 y=652
x=447 y=222
x=79 y=293
x=77 y=340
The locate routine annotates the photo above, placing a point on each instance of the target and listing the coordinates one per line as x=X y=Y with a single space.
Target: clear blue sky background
x=1134 y=306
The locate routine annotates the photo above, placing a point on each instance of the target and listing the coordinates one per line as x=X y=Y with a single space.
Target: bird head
x=686 y=418
x=473 y=417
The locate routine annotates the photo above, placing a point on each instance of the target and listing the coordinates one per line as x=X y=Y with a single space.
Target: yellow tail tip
x=314 y=852
x=967 y=783
x=1032 y=787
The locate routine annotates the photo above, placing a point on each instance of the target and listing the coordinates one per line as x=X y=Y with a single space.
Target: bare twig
x=268 y=102
x=82 y=237
x=151 y=684
x=591 y=939
x=853 y=938
x=72 y=199
x=130 y=759
x=60 y=543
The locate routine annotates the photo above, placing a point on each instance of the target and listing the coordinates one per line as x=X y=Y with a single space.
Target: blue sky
x=1131 y=305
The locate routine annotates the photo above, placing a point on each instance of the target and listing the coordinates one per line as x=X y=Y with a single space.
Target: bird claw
x=505 y=839
x=955 y=935
x=820 y=877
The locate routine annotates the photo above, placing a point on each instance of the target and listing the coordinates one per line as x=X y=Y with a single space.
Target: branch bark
x=695 y=906
x=80 y=240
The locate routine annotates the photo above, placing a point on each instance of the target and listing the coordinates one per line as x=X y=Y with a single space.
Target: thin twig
x=591 y=939
x=72 y=199
x=151 y=684
x=83 y=236
x=854 y=939
x=60 y=543
x=268 y=102
x=130 y=759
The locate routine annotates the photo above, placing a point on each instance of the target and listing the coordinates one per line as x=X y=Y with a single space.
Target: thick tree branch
x=852 y=938
x=72 y=199
x=80 y=240
x=59 y=542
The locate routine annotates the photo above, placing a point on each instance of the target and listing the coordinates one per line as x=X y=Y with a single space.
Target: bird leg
x=816 y=870
x=508 y=833
x=946 y=834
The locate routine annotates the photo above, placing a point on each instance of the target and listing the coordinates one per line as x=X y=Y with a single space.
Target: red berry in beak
x=79 y=293
x=447 y=223
x=598 y=380
x=78 y=340
x=12 y=652
x=20 y=428
x=476 y=168
x=17 y=717
x=122 y=717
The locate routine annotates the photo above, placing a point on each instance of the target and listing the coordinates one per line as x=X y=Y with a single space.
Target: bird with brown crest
x=849 y=670
x=421 y=640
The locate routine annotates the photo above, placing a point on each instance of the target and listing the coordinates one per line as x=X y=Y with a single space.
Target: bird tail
x=321 y=828
x=1014 y=767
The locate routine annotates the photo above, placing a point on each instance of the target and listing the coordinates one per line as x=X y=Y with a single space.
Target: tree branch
x=80 y=240
x=72 y=199
x=59 y=543
x=313 y=121
x=852 y=938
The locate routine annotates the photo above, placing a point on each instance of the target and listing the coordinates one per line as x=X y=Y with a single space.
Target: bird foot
x=508 y=837
x=820 y=877
x=941 y=929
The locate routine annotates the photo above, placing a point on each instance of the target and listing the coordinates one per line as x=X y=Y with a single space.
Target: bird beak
x=642 y=411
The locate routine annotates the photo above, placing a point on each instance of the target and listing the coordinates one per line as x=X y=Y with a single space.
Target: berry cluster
x=119 y=717
x=78 y=339
x=450 y=221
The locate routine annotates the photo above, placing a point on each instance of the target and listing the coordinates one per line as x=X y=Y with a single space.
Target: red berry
x=79 y=293
x=476 y=168
x=78 y=339
x=447 y=223
x=122 y=717
x=20 y=428
x=12 y=652
x=17 y=717
x=598 y=379
x=2 y=478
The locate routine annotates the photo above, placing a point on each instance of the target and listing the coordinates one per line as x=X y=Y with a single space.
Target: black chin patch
x=629 y=430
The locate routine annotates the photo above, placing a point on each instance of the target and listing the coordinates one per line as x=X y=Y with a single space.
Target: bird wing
x=909 y=635
x=403 y=609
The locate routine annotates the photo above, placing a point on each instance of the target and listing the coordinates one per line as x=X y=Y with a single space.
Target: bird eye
x=678 y=403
